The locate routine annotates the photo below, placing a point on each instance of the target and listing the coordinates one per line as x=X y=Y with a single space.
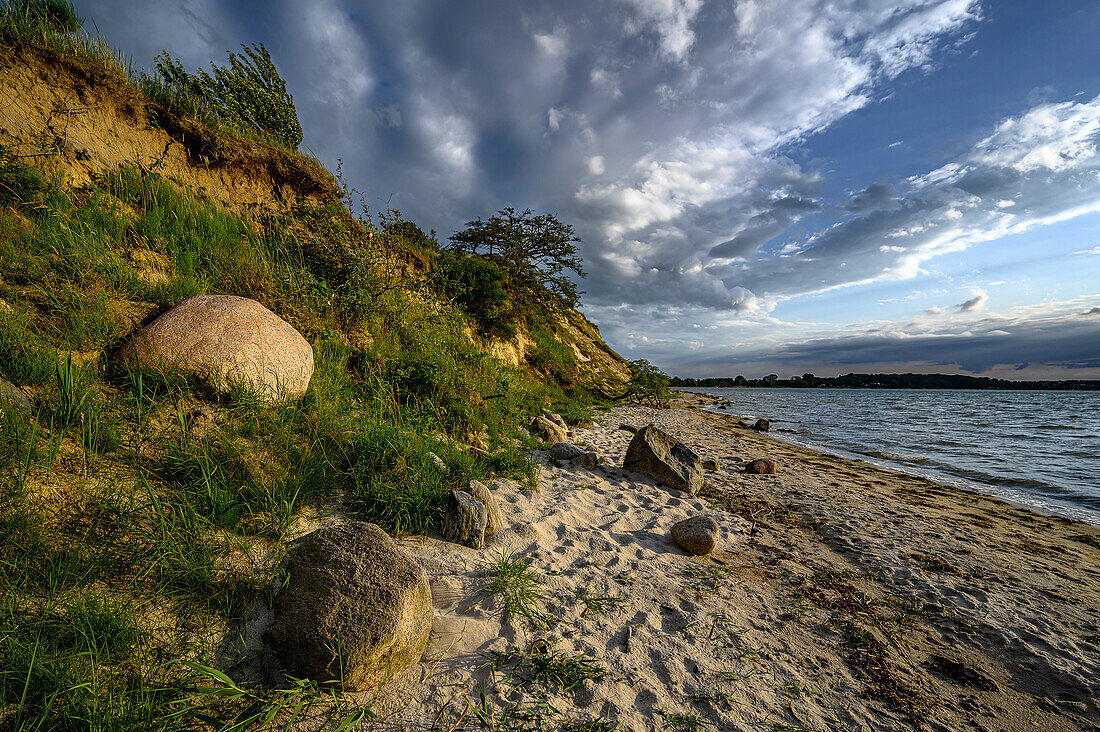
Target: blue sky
x=762 y=186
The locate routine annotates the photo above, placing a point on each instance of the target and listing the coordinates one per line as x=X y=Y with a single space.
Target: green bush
x=20 y=184
x=248 y=93
x=475 y=285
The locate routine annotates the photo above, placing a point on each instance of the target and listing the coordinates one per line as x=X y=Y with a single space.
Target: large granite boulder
x=698 y=534
x=546 y=430
x=356 y=603
x=660 y=456
x=226 y=341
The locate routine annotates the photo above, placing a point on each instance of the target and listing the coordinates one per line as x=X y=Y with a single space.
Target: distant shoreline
x=885 y=381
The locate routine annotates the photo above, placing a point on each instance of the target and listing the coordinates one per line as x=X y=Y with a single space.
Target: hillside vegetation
x=142 y=517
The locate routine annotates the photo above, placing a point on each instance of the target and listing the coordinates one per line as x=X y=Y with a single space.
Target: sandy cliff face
x=82 y=119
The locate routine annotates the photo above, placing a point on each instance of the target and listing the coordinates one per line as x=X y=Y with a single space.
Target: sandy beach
x=840 y=597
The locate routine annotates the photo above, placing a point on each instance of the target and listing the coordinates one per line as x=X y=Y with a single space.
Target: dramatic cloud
x=675 y=136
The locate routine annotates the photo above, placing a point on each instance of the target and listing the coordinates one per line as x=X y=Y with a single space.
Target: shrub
x=648 y=382
x=248 y=93
x=476 y=286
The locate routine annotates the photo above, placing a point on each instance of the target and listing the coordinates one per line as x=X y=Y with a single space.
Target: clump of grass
x=684 y=722
x=540 y=665
x=510 y=576
x=598 y=604
x=242 y=707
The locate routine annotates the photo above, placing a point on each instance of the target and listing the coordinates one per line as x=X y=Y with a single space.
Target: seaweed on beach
x=855 y=616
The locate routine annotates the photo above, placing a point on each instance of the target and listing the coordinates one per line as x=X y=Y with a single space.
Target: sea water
x=1038 y=449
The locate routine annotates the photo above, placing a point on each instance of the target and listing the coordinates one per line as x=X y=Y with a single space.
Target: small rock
x=698 y=534
x=547 y=430
x=760 y=466
x=762 y=425
x=493 y=520
x=465 y=519
x=629 y=428
x=200 y=421
x=565 y=451
x=588 y=461
x=711 y=466
x=663 y=458
x=556 y=419
x=438 y=463
x=12 y=394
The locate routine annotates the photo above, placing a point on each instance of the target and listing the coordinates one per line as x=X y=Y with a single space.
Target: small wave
x=1059 y=427
x=900 y=458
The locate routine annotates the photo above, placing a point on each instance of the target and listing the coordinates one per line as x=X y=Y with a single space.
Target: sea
x=1037 y=449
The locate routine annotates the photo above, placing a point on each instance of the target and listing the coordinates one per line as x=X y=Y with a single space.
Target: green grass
x=521 y=590
x=539 y=665
x=598 y=604
x=134 y=533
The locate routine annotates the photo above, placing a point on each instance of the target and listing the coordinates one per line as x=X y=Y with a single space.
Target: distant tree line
x=887 y=381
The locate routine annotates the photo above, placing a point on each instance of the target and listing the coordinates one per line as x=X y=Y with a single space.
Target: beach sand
x=840 y=597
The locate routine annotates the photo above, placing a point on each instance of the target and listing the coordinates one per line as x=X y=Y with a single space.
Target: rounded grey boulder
x=356 y=608
x=226 y=341
x=13 y=395
x=565 y=451
x=698 y=534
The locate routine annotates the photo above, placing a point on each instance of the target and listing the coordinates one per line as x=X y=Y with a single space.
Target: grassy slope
x=134 y=537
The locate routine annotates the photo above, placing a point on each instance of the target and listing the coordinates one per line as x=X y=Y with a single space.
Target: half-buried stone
x=494 y=522
x=226 y=341
x=565 y=451
x=660 y=456
x=465 y=519
x=760 y=466
x=356 y=608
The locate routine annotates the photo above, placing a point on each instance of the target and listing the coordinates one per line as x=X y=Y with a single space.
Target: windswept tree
x=535 y=253
x=648 y=383
x=248 y=93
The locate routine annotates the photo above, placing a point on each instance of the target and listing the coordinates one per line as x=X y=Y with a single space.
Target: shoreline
x=1037 y=503
x=841 y=596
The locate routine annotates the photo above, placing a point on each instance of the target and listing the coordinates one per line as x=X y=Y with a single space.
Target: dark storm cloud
x=1069 y=342
x=876 y=197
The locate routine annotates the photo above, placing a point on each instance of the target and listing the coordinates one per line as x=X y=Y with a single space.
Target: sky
x=760 y=186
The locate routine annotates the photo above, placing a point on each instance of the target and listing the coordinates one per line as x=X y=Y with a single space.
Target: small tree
x=534 y=252
x=649 y=383
x=248 y=92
